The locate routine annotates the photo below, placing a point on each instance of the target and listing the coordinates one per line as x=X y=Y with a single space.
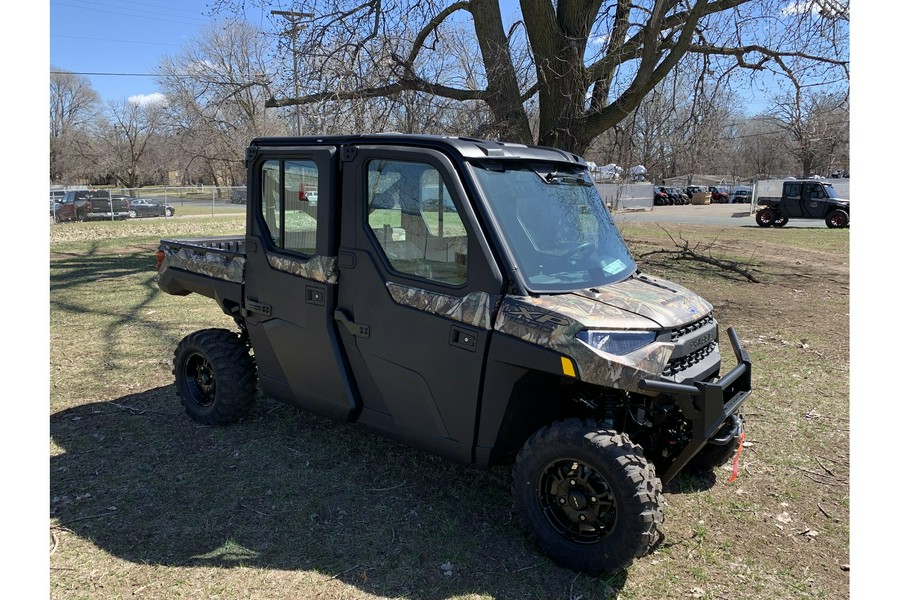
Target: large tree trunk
x=503 y=95
x=558 y=41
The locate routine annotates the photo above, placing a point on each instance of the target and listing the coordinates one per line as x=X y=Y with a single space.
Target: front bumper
x=707 y=405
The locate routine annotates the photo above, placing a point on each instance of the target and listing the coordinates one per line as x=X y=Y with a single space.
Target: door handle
x=463 y=338
x=355 y=329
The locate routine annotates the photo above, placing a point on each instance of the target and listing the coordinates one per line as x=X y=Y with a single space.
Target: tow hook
x=735 y=430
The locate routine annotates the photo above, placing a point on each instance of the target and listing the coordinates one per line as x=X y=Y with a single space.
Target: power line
x=93 y=73
x=78 y=37
x=155 y=16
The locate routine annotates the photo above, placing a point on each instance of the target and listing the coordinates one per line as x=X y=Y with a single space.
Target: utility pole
x=294 y=19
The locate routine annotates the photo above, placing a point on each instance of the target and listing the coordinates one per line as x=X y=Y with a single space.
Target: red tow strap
x=737 y=457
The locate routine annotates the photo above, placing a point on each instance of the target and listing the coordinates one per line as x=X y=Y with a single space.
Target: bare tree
x=73 y=106
x=763 y=149
x=215 y=92
x=818 y=125
x=679 y=129
x=591 y=62
x=129 y=142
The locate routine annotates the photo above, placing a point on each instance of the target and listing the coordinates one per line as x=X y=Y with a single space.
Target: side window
x=792 y=190
x=416 y=221
x=289 y=203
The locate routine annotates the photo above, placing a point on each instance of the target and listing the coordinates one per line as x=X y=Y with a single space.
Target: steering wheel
x=577 y=250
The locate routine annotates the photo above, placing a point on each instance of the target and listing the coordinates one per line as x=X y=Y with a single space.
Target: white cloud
x=598 y=40
x=148 y=99
x=826 y=7
x=798 y=8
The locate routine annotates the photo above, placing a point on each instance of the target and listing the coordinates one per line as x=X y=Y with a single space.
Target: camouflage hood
x=667 y=304
x=638 y=303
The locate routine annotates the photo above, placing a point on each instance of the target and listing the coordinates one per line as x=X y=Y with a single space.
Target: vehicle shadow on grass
x=290 y=491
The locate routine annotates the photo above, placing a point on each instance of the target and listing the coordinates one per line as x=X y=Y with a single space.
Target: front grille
x=677 y=365
x=683 y=331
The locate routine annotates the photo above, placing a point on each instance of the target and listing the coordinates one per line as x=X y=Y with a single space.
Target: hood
x=665 y=303
x=639 y=302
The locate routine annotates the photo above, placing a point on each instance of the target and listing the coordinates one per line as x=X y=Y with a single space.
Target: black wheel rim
x=200 y=380
x=576 y=501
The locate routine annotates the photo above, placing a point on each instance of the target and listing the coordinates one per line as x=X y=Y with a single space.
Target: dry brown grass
x=145 y=503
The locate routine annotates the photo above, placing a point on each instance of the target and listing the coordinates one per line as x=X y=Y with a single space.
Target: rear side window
x=289 y=204
x=416 y=221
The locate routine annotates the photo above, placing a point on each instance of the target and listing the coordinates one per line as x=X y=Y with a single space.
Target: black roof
x=468 y=148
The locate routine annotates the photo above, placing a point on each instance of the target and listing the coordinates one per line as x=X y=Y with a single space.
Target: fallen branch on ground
x=686 y=252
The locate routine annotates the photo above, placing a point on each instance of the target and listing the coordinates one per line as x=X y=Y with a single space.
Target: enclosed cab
x=473 y=299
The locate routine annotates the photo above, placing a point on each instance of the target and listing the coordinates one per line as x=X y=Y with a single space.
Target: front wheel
x=590 y=499
x=837 y=219
x=170 y=211
x=132 y=214
x=215 y=376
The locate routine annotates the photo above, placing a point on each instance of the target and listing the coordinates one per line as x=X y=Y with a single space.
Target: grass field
x=145 y=503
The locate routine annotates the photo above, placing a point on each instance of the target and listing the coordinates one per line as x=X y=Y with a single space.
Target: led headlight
x=619 y=343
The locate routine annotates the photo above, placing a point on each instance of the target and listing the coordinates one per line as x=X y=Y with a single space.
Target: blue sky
x=117 y=44
x=124 y=38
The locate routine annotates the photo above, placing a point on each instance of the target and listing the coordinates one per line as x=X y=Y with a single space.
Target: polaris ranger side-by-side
x=804 y=199
x=472 y=299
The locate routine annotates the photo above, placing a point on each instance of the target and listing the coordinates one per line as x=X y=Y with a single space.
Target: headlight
x=619 y=343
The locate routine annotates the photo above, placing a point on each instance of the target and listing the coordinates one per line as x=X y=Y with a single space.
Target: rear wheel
x=132 y=214
x=765 y=217
x=590 y=499
x=837 y=219
x=215 y=376
x=780 y=221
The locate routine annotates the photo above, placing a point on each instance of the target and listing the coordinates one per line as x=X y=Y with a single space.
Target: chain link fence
x=627 y=196
x=200 y=199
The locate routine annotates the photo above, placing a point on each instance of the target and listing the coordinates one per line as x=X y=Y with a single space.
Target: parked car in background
x=694 y=189
x=147 y=207
x=740 y=196
x=719 y=194
x=82 y=205
x=678 y=196
x=239 y=195
x=660 y=197
x=55 y=197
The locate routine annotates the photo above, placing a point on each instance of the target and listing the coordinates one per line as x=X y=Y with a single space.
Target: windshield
x=557 y=228
x=829 y=190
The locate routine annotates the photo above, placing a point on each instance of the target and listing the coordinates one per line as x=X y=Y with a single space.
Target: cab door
x=814 y=201
x=291 y=279
x=417 y=296
x=791 y=200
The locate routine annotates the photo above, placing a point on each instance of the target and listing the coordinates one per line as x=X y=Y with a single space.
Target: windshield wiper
x=555 y=177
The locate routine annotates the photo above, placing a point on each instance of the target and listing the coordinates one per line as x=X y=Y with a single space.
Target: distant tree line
x=651 y=82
